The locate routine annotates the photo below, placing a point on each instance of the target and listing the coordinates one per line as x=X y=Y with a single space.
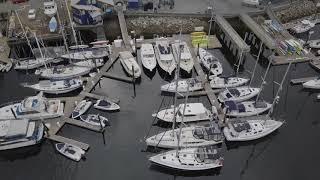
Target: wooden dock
x=302 y=80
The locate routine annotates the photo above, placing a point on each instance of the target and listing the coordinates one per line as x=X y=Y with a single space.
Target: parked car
x=32 y=14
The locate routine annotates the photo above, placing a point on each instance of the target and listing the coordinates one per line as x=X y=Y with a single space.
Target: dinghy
x=190 y=159
x=238 y=94
x=81 y=108
x=247 y=130
x=186 y=60
x=148 y=58
x=231 y=82
x=63 y=72
x=312 y=84
x=106 y=105
x=57 y=86
x=193 y=112
x=53 y=25
x=193 y=136
x=33 y=108
x=194 y=85
x=95 y=120
x=130 y=64
x=210 y=62
x=70 y=151
x=246 y=108
x=164 y=56
x=20 y=133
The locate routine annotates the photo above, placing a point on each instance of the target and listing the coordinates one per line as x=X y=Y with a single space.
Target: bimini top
x=233 y=106
x=192 y=109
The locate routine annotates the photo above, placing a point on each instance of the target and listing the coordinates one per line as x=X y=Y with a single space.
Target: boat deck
x=302 y=80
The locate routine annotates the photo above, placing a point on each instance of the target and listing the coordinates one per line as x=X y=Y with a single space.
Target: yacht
x=186 y=60
x=238 y=94
x=84 y=52
x=148 y=58
x=193 y=112
x=63 y=72
x=130 y=64
x=210 y=62
x=246 y=130
x=20 y=133
x=193 y=136
x=50 y=8
x=164 y=56
x=91 y=63
x=185 y=85
x=231 y=82
x=31 y=63
x=56 y=86
x=33 y=108
x=246 y=108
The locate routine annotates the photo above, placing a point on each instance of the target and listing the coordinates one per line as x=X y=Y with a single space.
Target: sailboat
x=186 y=60
x=190 y=158
x=130 y=64
x=91 y=63
x=210 y=62
x=193 y=84
x=238 y=94
x=164 y=56
x=63 y=72
x=312 y=84
x=56 y=86
x=17 y=133
x=148 y=58
x=255 y=127
x=31 y=63
x=33 y=108
x=230 y=82
x=246 y=108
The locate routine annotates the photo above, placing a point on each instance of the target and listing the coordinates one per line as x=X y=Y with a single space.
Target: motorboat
x=193 y=136
x=312 y=84
x=238 y=94
x=193 y=112
x=304 y=26
x=81 y=108
x=210 y=62
x=17 y=133
x=190 y=159
x=53 y=25
x=191 y=84
x=106 y=105
x=148 y=58
x=186 y=60
x=63 y=72
x=230 y=82
x=56 y=86
x=314 y=44
x=95 y=120
x=50 y=8
x=130 y=64
x=164 y=56
x=70 y=151
x=247 y=130
x=246 y=108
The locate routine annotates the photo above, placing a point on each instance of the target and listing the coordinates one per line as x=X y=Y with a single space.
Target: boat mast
x=176 y=90
x=276 y=98
x=71 y=23
x=255 y=65
x=24 y=32
x=35 y=36
x=263 y=80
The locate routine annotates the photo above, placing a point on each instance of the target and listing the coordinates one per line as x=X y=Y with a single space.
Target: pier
x=123 y=26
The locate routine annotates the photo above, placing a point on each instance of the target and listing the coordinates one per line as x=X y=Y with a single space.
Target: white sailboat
x=148 y=58
x=186 y=60
x=230 y=82
x=50 y=8
x=81 y=108
x=164 y=56
x=312 y=84
x=246 y=108
x=314 y=44
x=193 y=84
x=130 y=64
x=56 y=86
x=106 y=105
x=20 y=133
x=238 y=94
x=31 y=63
x=84 y=53
x=33 y=108
x=210 y=62
x=193 y=136
x=305 y=26
x=63 y=72
x=91 y=63
x=95 y=120
x=70 y=151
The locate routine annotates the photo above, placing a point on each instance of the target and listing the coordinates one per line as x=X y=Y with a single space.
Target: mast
x=255 y=65
x=71 y=23
x=279 y=90
x=24 y=32
x=263 y=80
x=35 y=36
x=176 y=90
